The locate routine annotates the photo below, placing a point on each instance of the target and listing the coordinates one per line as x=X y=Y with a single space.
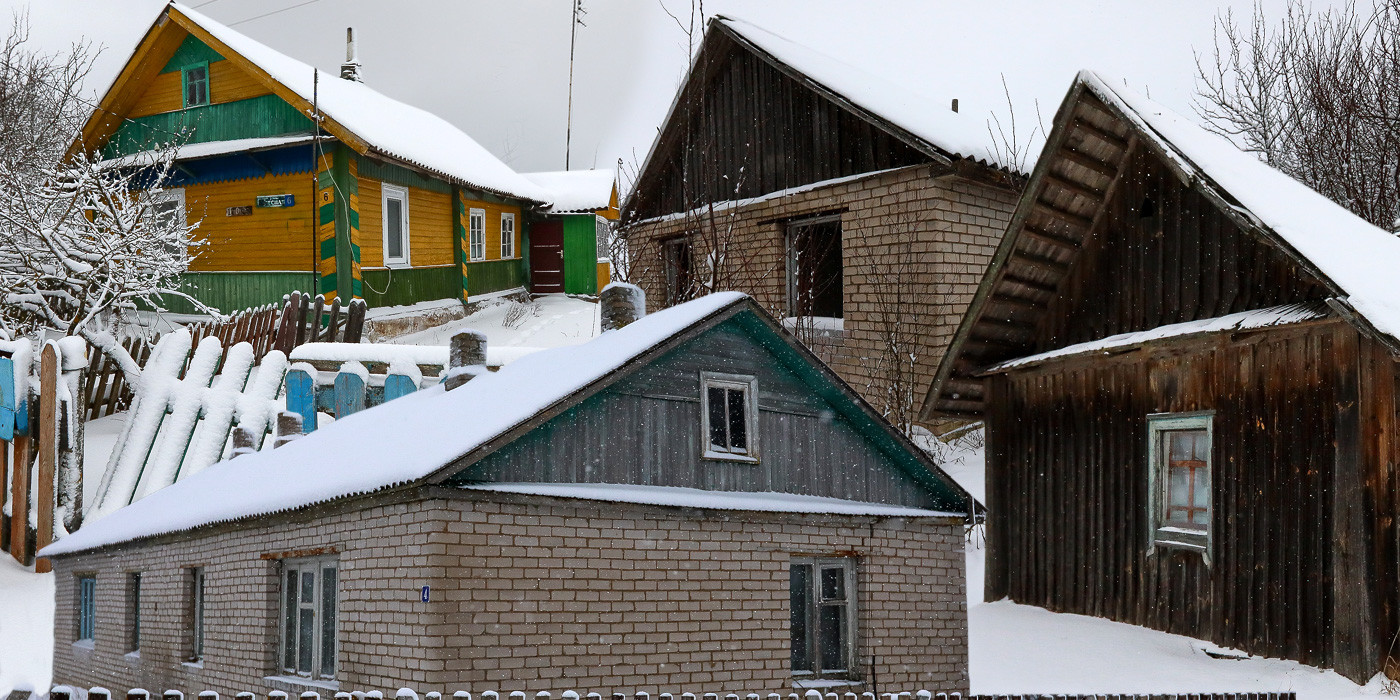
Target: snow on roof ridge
x=363 y=453
x=685 y=497
x=908 y=107
x=1357 y=256
x=396 y=129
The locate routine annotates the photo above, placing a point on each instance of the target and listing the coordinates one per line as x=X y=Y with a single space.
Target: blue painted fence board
x=7 y=399
x=349 y=394
x=301 y=398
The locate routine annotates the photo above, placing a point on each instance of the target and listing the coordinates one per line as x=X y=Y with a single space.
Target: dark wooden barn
x=1186 y=365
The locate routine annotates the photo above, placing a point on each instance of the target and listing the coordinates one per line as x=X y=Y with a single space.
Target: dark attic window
x=1148 y=208
x=196 y=84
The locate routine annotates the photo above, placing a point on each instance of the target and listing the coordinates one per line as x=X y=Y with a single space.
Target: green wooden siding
x=397 y=287
x=267 y=115
x=403 y=177
x=233 y=291
x=191 y=51
x=495 y=275
x=580 y=254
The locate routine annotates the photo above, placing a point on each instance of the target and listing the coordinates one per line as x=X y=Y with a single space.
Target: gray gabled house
x=690 y=501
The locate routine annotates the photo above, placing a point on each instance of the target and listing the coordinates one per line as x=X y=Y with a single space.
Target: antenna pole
x=573 y=38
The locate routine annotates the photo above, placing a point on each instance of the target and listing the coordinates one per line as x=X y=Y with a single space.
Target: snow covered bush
x=82 y=240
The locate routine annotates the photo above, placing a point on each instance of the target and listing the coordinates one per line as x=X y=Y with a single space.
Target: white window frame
x=316 y=565
x=1160 y=534
x=749 y=385
x=176 y=195
x=388 y=192
x=507 y=240
x=476 y=234
x=815 y=602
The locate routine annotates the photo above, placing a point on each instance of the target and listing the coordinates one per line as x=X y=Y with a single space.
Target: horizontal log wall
x=1067 y=474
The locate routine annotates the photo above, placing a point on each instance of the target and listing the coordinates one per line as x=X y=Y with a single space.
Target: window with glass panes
x=87 y=607
x=309 y=627
x=133 y=601
x=729 y=416
x=394 y=206
x=823 y=616
x=507 y=236
x=196 y=84
x=476 y=234
x=1179 y=447
x=196 y=614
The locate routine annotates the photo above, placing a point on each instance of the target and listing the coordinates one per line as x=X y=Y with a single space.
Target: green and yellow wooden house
x=382 y=200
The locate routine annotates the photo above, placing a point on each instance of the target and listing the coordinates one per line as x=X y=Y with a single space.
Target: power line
x=269 y=14
x=202 y=4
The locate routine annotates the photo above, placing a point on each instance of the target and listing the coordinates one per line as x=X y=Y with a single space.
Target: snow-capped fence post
x=350 y=389
x=466 y=356
x=47 y=452
x=61 y=692
x=288 y=428
x=620 y=304
x=97 y=692
x=301 y=394
x=138 y=694
x=172 y=695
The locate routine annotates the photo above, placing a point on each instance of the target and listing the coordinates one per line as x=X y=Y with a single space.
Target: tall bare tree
x=1317 y=95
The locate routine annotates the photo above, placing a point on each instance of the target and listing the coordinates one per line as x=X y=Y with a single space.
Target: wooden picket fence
x=299 y=320
x=98 y=693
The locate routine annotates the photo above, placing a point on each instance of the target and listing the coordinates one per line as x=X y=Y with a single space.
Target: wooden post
x=301 y=397
x=349 y=392
x=288 y=428
x=19 y=501
x=47 y=452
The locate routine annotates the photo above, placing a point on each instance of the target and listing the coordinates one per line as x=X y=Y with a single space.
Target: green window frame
x=194 y=84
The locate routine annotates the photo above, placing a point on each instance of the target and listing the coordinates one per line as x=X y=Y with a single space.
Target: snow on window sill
x=193 y=664
x=820 y=323
x=821 y=683
x=729 y=457
x=133 y=655
x=83 y=644
x=297 y=684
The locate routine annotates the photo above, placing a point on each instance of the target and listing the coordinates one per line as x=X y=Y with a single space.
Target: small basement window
x=729 y=414
x=507 y=236
x=309 y=617
x=476 y=234
x=822 y=595
x=87 y=607
x=394 y=204
x=1179 y=473
x=196 y=85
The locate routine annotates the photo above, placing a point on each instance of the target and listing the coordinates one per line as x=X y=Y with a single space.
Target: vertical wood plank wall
x=1067 y=476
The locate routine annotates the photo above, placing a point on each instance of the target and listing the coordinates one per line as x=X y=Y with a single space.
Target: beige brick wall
x=531 y=593
x=944 y=229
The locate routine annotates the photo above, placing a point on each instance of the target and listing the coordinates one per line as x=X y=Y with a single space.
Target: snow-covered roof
x=364 y=452
x=1244 y=320
x=1355 y=255
x=390 y=127
x=576 y=190
x=682 y=497
x=208 y=149
x=906 y=106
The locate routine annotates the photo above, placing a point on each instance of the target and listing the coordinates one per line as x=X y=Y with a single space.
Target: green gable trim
x=234 y=291
x=402 y=286
x=403 y=177
x=580 y=254
x=190 y=52
x=267 y=115
x=494 y=276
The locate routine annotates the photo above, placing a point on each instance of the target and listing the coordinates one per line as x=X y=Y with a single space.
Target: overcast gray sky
x=499 y=69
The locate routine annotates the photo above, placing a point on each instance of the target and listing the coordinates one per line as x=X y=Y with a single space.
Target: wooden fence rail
x=299 y=320
x=67 y=693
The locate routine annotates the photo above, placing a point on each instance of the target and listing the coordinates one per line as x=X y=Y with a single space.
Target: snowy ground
x=26 y=628
x=549 y=321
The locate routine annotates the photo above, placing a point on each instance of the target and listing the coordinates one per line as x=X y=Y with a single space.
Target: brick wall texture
x=528 y=593
x=914 y=249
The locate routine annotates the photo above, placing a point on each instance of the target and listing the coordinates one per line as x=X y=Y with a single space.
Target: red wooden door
x=547 y=257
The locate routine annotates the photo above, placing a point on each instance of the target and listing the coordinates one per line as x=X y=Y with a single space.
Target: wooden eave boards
x=1052 y=231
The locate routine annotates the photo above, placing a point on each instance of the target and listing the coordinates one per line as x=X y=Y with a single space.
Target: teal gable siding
x=812 y=438
x=267 y=115
x=190 y=52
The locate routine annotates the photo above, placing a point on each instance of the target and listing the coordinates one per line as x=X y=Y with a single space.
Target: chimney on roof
x=955 y=104
x=350 y=69
x=620 y=304
x=466 y=358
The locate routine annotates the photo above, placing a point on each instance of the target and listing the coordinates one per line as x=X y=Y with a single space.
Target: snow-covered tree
x=82 y=240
